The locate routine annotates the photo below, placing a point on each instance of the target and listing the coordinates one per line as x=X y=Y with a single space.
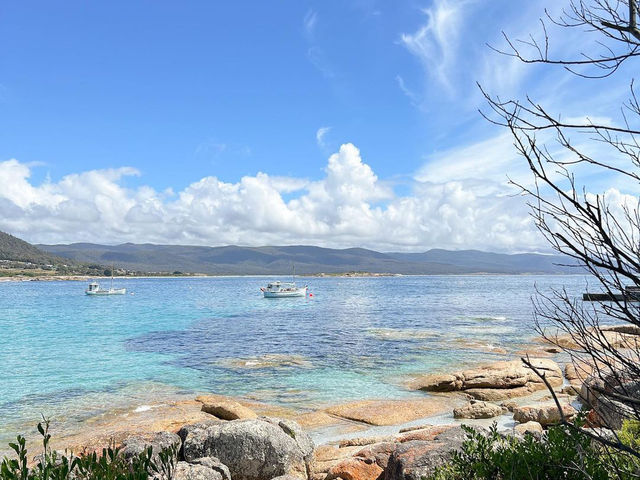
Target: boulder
x=475 y=409
x=362 y=441
x=355 y=468
x=135 y=445
x=545 y=414
x=497 y=381
x=225 y=408
x=214 y=464
x=254 y=449
x=440 y=382
x=378 y=453
x=570 y=390
x=188 y=471
x=510 y=406
x=529 y=427
x=207 y=468
x=627 y=329
x=604 y=395
x=616 y=336
x=497 y=394
x=577 y=372
x=326 y=456
x=418 y=459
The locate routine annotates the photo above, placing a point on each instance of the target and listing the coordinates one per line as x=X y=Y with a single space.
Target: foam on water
x=143 y=408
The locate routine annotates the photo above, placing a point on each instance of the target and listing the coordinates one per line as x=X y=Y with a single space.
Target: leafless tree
x=599 y=234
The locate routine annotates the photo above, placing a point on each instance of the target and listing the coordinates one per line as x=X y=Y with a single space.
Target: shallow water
x=70 y=356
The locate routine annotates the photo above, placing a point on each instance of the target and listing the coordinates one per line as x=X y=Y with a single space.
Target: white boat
x=95 y=289
x=283 y=290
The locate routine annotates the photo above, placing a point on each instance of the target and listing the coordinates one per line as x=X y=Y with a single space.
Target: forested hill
x=234 y=260
x=14 y=249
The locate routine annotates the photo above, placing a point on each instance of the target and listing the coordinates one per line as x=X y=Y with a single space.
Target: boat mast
x=112 y=267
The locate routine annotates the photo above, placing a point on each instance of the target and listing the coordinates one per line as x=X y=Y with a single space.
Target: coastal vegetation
x=598 y=232
x=110 y=464
x=563 y=453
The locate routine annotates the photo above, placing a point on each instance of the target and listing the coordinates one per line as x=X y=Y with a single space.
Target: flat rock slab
x=390 y=412
x=316 y=419
x=116 y=427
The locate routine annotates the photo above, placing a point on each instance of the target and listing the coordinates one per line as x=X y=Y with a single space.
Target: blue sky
x=155 y=121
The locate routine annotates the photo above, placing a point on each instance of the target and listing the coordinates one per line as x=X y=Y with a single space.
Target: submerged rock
x=270 y=360
x=256 y=449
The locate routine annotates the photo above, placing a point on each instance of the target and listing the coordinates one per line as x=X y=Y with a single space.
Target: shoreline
x=84 y=278
x=327 y=424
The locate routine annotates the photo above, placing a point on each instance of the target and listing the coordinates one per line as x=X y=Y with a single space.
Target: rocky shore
x=223 y=438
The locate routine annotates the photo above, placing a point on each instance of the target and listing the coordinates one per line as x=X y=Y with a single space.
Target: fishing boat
x=95 y=289
x=283 y=290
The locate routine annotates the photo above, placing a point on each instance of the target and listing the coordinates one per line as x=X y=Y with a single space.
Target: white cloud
x=414 y=97
x=309 y=22
x=349 y=206
x=489 y=160
x=320 y=134
x=435 y=43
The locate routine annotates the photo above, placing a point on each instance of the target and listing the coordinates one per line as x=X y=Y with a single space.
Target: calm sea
x=70 y=356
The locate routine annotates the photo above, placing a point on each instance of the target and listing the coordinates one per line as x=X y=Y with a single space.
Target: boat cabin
x=93 y=287
x=280 y=286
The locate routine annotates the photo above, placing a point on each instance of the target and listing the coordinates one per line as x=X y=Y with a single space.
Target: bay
x=71 y=357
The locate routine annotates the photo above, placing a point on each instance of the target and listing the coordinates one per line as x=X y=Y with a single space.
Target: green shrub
x=110 y=465
x=565 y=453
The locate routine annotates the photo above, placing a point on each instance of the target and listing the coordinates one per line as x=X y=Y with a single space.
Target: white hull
x=111 y=291
x=298 y=292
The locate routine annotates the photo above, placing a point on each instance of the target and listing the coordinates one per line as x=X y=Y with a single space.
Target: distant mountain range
x=278 y=260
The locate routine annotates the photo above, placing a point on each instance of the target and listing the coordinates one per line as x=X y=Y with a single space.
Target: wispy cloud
x=212 y=149
x=319 y=60
x=416 y=100
x=435 y=43
x=309 y=23
x=320 y=134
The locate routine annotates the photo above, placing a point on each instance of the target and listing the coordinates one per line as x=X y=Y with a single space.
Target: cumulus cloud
x=349 y=206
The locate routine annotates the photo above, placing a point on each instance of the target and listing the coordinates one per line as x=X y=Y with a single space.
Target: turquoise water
x=70 y=356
